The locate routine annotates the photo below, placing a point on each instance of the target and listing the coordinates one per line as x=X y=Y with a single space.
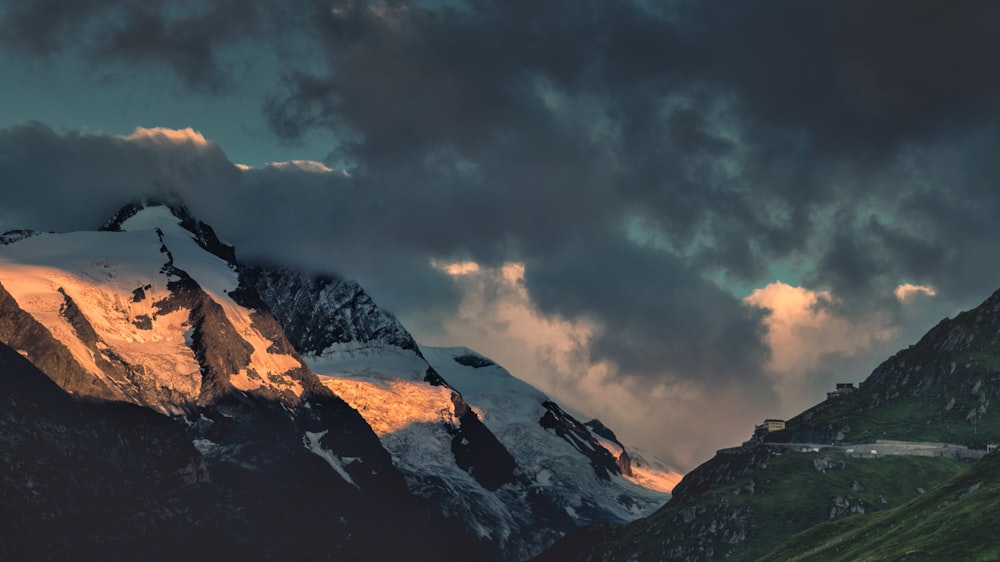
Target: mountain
x=493 y=451
x=892 y=451
x=259 y=411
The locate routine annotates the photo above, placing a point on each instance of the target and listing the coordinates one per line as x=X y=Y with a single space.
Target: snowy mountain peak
x=151 y=213
x=142 y=313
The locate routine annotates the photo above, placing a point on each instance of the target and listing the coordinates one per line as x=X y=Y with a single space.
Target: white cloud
x=907 y=291
x=802 y=330
x=302 y=165
x=456 y=268
x=179 y=136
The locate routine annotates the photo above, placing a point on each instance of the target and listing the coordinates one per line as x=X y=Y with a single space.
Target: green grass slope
x=761 y=506
x=960 y=520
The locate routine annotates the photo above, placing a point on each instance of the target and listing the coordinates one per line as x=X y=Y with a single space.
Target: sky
x=680 y=217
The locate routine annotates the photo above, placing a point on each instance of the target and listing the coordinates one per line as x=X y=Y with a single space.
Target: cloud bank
x=648 y=165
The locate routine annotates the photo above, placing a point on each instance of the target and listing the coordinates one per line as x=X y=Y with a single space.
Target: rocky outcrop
x=623 y=460
x=576 y=434
x=318 y=312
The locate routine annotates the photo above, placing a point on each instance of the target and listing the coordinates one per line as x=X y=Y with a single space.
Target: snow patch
x=311 y=440
x=390 y=405
x=204 y=446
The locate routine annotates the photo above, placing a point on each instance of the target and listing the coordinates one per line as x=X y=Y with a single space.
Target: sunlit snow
x=34 y=269
x=102 y=271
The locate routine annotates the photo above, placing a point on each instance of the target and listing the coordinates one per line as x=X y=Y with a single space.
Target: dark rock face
x=577 y=435
x=479 y=452
x=12 y=236
x=474 y=361
x=623 y=461
x=87 y=479
x=319 y=311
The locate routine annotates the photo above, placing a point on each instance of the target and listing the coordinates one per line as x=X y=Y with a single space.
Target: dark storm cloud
x=186 y=37
x=59 y=182
x=627 y=154
x=73 y=181
x=664 y=319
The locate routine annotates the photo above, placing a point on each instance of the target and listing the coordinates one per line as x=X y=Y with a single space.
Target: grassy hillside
x=762 y=506
x=956 y=521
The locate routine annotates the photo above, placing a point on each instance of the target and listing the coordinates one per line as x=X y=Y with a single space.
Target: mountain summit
x=144 y=315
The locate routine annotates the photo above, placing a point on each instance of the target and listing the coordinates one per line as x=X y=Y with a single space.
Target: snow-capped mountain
x=289 y=388
x=492 y=450
x=269 y=460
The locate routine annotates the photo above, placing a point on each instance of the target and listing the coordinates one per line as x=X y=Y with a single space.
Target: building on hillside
x=769 y=425
x=843 y=389
x=774 y=425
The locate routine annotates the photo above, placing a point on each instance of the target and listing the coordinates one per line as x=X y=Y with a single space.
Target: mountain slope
x=748 y=499
x=760 y=498
x=952 y=522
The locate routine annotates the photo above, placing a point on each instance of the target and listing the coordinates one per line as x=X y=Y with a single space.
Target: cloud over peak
x=163 y=134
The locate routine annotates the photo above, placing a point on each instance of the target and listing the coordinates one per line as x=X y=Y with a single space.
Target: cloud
x=804 y=331
x=459 y=267
x=73 y=181
x=192 y=40
x=165 y=135
x=303 y=165
x=908 y=291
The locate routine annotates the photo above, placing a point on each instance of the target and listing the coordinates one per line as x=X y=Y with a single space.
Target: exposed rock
x=969 y=490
